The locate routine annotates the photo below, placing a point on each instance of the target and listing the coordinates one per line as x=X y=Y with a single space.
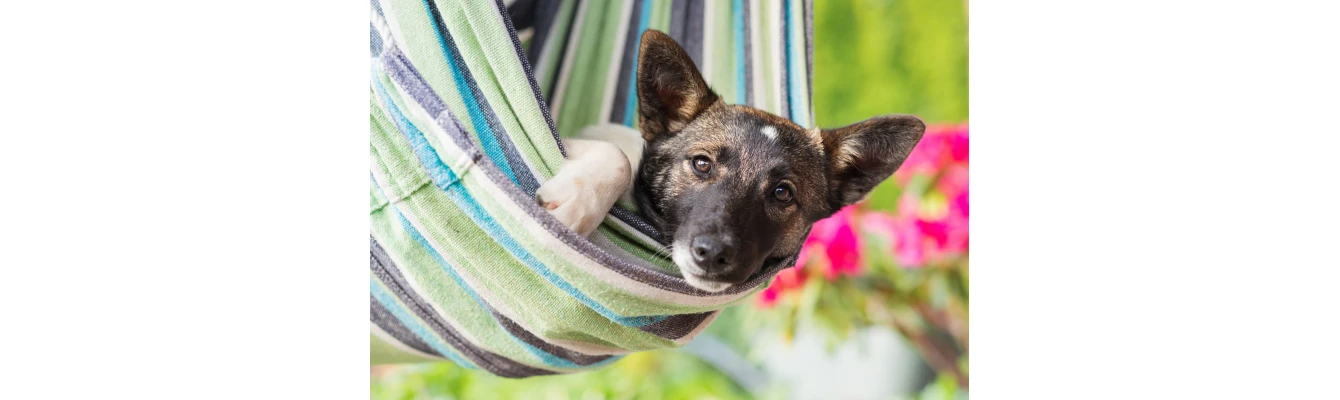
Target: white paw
x=566 y=199
x=587 y=185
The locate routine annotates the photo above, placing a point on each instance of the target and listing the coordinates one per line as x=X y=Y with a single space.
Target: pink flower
x=841 y=245
x=786 y=280
x=939 y=146
x=953 y=180
x=908 y=241
x=917 y=240
x=956 y=139
x=768 y=297
x=925 y=158
x=836 y=239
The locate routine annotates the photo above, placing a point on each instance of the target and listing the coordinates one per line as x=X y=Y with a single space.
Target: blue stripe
x=737 y=7
x=486 y=135
x=388 y=300
x=631 y=109
x=793 y=59
x=446 y=180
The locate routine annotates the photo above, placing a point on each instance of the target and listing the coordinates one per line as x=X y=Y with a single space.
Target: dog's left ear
x=862 y=155
x=670 y=90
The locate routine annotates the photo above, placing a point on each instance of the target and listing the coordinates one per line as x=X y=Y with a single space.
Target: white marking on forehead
x=770 y=131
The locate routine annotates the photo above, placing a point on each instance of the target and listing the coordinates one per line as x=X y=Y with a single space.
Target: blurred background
x=877 y=307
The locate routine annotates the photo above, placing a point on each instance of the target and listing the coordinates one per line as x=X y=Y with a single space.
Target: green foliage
x=653 y=375
x=874 y=57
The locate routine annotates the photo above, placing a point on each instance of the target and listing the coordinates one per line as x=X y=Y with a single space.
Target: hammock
x=465 y=266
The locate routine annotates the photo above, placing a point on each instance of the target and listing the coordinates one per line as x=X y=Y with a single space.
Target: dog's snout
x=711 y=252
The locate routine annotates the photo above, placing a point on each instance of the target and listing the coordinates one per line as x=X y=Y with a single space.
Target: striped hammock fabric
x=465 y=266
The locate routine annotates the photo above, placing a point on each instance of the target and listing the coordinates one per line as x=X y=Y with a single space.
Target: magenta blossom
x=836 y=236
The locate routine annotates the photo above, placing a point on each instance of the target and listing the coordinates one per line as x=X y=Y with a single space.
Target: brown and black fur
x=733 y=217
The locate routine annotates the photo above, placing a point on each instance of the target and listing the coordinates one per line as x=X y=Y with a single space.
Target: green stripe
x=723 y=50
x=441 y=289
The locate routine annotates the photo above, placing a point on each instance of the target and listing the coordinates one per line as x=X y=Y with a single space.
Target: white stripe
x=574 y=37
x=778 y=71
x=616 y=59
x=709 y=9
x=392 y=27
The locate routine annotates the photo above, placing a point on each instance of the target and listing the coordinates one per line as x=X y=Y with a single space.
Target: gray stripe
x=809 y=58
x=679 y=13
x=748 y=56
x=385 y=270
x=376 y=40
x=693 y=35
x=677 y=326
x=632 y=42
x=396 y=65
x=387 y=322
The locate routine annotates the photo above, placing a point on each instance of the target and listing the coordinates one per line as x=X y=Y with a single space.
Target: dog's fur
x=767 y=179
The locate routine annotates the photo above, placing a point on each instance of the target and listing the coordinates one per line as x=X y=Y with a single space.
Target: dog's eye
x=702 y=164
x=782 y=193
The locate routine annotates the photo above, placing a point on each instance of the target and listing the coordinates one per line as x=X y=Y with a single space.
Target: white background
x=1155 y=211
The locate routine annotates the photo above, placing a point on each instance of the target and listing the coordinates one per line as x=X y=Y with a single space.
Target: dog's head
x=733 y=187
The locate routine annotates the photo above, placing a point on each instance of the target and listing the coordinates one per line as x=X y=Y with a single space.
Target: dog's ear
x=862 y=155
x=670 y=90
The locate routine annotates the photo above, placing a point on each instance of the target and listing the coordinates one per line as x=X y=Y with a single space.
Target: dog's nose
x=711 y=252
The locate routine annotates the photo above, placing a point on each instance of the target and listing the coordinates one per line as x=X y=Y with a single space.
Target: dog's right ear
x=670 y=90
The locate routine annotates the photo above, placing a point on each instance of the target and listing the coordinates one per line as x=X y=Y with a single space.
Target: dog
x=731 y=187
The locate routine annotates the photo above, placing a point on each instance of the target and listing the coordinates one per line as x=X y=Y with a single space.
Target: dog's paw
x=567 y=198
x=588 y=184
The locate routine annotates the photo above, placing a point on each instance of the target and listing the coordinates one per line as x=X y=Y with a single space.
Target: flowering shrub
x=904 y=266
